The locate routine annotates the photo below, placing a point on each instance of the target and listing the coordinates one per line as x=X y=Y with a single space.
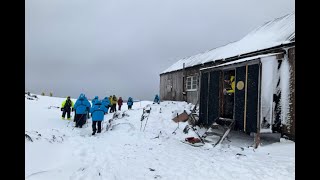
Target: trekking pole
x=174 y=132
x=141 y=125
x=145 y=124
x=78 y=120
x=142 y=117
x=148 y=112
x=70 y=118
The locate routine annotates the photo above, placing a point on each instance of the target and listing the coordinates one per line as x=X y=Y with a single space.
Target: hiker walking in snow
x=66 y=107
x=156 y=99
x=96 y=98
x=110 y=105
x=130 y=103
x=82 y=107
x=97 y=113
x=114 y=103
x=106 y=103
x=120 y=103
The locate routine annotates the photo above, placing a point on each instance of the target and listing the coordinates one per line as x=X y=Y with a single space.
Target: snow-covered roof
x=241 y=60
x=273 y=33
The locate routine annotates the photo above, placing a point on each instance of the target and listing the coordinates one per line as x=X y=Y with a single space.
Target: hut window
x=192 y=82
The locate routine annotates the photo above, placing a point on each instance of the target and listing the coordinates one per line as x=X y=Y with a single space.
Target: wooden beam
x=245 y=101
x=257 y=138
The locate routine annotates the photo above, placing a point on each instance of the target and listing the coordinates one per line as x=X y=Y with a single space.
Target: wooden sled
x=183 y=117
x=196 y=142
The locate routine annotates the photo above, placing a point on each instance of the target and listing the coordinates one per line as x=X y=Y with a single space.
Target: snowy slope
x=64 y=152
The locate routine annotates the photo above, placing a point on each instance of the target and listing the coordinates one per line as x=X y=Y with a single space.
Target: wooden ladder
x=226 y=129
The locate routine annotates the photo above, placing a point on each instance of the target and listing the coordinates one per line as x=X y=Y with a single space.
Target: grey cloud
x=119 y=47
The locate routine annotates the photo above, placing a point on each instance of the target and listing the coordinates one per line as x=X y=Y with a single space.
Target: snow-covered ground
x=60 y=151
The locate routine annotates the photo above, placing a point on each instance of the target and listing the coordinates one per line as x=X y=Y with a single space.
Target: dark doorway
x=203 y=114
x=228 y=94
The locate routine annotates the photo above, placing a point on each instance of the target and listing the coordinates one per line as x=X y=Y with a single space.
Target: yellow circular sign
x=240 y=85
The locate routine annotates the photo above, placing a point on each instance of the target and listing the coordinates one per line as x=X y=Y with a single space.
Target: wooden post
x=291 y=60
x=257 y=137
x=184 y=92
x=245 y=101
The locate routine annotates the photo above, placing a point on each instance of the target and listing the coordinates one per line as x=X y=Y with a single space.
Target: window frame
x=193 y=81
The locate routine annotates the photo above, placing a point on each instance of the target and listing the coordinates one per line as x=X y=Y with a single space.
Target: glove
x=224 y=91
x=72 y=109
x=61 y=109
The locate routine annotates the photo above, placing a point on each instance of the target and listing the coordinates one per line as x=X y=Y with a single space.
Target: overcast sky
x=106 y=47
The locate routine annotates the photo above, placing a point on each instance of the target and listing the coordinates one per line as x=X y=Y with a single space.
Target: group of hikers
x=97 y=109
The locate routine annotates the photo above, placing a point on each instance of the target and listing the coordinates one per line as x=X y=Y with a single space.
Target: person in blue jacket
x=106 y=103
x=82 y=107
x=130 y=103
x=156 y=99
x=97 y=113
x=96 y=98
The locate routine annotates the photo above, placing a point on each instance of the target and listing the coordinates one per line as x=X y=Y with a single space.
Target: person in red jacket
x=120 y=103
